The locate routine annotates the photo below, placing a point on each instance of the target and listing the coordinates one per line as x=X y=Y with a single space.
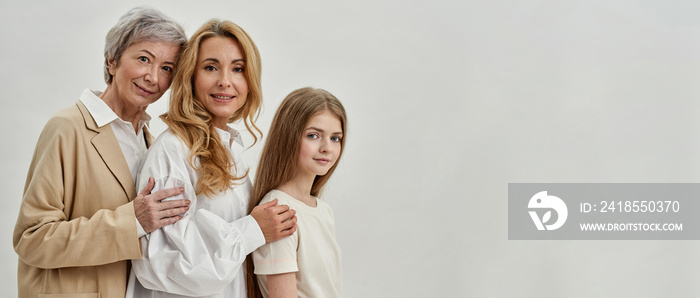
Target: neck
x=221 y=124
x=124 y=110
x=299 y=187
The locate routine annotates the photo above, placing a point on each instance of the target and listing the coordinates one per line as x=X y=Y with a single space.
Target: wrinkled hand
x=276 y=222
x=152 y=213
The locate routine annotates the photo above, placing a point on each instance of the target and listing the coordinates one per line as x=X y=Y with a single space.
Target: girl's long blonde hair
x=190 y=121
x=279 y=159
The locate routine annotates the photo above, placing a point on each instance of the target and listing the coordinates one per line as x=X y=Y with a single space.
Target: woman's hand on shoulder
x=275 y=221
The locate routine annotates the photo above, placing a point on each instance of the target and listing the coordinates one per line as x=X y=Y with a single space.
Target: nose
x=152 y=75
x=324 y=146
x=224 y=79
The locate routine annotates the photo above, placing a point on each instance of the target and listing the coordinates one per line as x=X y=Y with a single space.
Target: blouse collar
x=229 y=136
x=101 y=112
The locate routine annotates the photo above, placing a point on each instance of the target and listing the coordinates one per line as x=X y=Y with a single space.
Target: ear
x=111 y=65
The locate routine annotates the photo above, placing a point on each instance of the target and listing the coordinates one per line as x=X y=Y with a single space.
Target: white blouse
x=202 y=254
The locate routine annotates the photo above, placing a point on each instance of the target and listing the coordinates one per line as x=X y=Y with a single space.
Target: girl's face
x=320 y=144
x=219 y=80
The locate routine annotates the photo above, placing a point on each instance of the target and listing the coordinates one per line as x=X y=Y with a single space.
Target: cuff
x=251 y=233
x=139 y=229
x=126 y=242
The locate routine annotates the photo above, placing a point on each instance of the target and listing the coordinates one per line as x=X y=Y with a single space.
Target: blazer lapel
x=107 y=146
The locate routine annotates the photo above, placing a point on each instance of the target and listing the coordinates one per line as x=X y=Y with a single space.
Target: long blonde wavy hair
x=190 y=121
x=280 y=156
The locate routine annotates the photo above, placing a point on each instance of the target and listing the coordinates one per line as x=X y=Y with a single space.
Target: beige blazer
x=76 y=228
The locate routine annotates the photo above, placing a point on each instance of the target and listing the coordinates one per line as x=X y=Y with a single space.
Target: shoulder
x=168 y=141
x=166 y=160
x=166 y=138
x=66 y=124
x=282 y=198
x=167 y=151
x=67 y=119
x=322 y=205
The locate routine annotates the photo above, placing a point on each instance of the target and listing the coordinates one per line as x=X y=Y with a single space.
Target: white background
x=448 y=102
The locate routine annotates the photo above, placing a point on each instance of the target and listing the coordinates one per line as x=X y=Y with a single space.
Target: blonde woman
x=217 y=82
x=306 y=141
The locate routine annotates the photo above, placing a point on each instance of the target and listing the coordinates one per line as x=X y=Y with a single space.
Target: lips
x=222 y=97
x=322 y=160
x=143 y=91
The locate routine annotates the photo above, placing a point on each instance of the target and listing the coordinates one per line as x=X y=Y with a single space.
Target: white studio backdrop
x=448 y=102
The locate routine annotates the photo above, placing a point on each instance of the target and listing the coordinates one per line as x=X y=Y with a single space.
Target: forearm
x=202 y=254
x=74 y=211
x=48 y=240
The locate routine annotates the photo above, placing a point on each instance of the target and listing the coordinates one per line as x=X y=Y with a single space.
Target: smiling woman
x=80 y=218
x=139 y=78
x=217 y=81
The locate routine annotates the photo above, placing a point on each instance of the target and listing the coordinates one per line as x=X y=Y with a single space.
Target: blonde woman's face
x=219 y=80
x=320 y=144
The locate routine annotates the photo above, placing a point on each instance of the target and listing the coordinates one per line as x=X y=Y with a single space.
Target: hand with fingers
x=275 y=221
x=153 y=213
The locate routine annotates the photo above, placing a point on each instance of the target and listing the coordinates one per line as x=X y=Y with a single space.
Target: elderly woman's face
x=143 y=72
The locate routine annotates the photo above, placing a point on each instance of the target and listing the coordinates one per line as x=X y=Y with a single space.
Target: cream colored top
x=312 y=251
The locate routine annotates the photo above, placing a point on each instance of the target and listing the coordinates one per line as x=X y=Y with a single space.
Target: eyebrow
x=217 y=60
x=321 y=130
x=148 y=52
x=153 y=56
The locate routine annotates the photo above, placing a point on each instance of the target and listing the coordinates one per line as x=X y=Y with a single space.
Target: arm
x=55 y=242
x=282 y=285
x=202 y=253
x=277 y=260
x=74 y=212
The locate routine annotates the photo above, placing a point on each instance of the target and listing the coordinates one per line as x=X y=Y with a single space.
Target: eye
x=336 y=139
x=210 y=68
x=238 y=69
x=312 y=136
x=143 y=59
x=167 y=68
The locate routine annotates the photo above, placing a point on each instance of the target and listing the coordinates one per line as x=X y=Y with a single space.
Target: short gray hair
x=140 y=24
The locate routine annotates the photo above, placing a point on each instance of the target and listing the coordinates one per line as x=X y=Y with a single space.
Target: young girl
x=217 y=81
x=302 y=150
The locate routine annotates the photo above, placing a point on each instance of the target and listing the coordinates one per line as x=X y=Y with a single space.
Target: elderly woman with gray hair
x=80 y=219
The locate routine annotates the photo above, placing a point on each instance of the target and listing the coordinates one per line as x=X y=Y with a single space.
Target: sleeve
x=200 y=254
x=277 y=257
x=44 y=237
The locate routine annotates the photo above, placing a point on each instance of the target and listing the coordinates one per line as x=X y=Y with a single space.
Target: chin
x=322 y=173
